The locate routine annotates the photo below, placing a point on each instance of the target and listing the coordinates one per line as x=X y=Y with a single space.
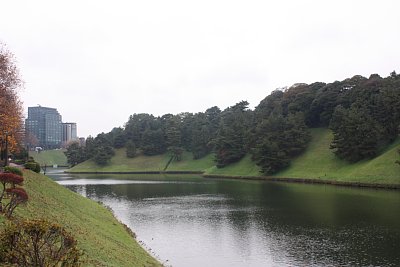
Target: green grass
x=319 y=162
x=244 y=167
x=120 y=163
x=103 y=239
x=189 y=164
x=50 y=157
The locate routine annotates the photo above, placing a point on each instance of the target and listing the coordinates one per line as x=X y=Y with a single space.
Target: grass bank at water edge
x=317 y=162
x=50 y=157
x=141 y=163
x=103 y=238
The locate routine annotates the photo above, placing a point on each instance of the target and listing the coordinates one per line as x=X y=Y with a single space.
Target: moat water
x=192 y=221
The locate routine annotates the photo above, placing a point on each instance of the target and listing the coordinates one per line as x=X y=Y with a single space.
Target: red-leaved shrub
x=16 y=195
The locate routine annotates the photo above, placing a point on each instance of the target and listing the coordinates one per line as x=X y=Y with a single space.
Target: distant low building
x=69 y=133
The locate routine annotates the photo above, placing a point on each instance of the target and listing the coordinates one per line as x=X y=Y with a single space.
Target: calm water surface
x=191 y=221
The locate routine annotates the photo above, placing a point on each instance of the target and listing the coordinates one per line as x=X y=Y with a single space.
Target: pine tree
x=356 y=134
x=130 y=149
x=230 y=142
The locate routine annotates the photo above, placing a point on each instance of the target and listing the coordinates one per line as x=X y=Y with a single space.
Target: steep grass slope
x=120 y=163
x=244 y=167
x=103 y=239
x=50 y=157
x=318 y=161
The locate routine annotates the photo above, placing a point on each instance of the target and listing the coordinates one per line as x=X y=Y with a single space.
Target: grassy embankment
x=120 y=163
x=50 y=157
x=317 y=162
x=103 y=239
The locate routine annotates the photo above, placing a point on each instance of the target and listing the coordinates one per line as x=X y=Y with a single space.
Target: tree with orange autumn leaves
x=11 y=113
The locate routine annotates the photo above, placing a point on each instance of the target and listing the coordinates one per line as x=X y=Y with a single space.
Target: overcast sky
x=98 y=62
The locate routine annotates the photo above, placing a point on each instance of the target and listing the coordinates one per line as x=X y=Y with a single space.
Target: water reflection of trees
x=321 y=225
x=301 y=224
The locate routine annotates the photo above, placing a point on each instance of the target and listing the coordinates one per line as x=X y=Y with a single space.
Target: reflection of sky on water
x=231 y=223
x=112 y=182
x=185 y=226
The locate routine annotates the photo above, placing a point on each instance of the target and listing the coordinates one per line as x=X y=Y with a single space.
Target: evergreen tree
x=173 y=132
x=118 y=137
x=356 y=134
x=229 y=146
x=278 y=140
x=187 y=120
x=364 y=115
x=266 y=152
x=103 y=149
x=213 y=116
x=324 y=104
x=137 y=125
x=90 y=147
x=201 y=141
x=270 y=157
x=103 y=155
x=130 y=149
x=75 y=154
x=230 y=142
x=200 y=136
x=153 y=142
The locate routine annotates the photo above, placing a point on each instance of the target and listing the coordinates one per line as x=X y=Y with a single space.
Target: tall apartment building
x=44 y=126
x=69 y=132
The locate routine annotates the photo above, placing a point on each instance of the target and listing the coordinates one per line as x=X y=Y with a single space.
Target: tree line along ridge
x=363 y=114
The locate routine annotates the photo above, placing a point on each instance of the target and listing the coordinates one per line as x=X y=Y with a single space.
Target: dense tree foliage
x=280 y=132
x=117 y=137
x=100 y=149
x=230 y=143
x=363 y=113
x=103 y=149
x=369 y=118
x=356 y=133
x=75 y=154
x=130 y=149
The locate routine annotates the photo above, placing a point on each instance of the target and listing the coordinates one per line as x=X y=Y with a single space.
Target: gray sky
x=98 y=62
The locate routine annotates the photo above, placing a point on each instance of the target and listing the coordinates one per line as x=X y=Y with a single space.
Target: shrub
x=14 y=170
x=9 y=190
x=33 y=166
x=19 y=161
x=17 y=196
x=38 y=243
x=10 y=178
